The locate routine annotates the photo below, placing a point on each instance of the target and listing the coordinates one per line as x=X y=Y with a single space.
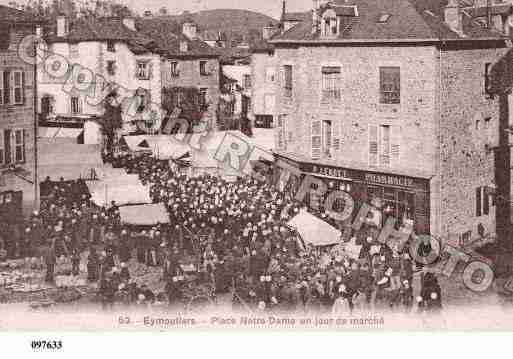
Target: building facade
x=18 y=172
x=399 y=113
x=265 y=82
x=110 y=50
x=187 y=61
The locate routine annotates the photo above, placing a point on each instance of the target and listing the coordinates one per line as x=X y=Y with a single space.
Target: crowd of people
x=224 y=237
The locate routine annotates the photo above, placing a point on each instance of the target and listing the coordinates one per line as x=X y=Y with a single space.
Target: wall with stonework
x=189 y=76
x=20 y=117
x=464 y=134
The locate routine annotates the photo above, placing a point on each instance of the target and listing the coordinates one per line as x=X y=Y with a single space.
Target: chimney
x=189 y=30
x=315 y=16
x=129 y=22
x=453 y=16
x=62 y=26
x=183 y=46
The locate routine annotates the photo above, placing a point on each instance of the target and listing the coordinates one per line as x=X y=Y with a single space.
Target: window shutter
x=23 y=139
x=150 y=70
x=395 y=145
x=7 y=146
x=337 y=132
x=373 y=145
x=23 y=98
x=279 y=132
x=13 y=146
x=316 y=133
x=2 y=148
x=7 y=86
x=1 y=88
x=478 y=202
x=12 y=83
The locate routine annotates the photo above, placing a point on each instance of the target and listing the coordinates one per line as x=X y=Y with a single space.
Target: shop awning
x=103 y=193
x=144 y=215
x=60 y=158
x=314 y=231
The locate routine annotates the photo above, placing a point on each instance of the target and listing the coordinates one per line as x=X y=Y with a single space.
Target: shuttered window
x=316 y=141
x=482 y=201
x=19 y=146
x=384 y=145
x=7 y=86
x=17 y=87
x=287 y=80
x=390 y=85
x=330 y=83
x=478 y=202
x=75 y=105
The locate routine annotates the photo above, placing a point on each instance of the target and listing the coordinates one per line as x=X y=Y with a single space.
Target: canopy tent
x=162 y=147
x=314 y=230
x=144 y=215
x=59 y=158
x=103 y=193
x=59 y=132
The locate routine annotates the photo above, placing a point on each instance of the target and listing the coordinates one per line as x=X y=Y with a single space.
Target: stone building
x=390 y=100
x=18 y=191
x=104 y=51
x=187 y=60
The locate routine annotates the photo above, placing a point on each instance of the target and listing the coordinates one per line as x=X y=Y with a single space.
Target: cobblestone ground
x=463 y=310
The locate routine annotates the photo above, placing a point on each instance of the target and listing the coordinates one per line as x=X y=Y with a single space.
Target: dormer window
x=330 y=23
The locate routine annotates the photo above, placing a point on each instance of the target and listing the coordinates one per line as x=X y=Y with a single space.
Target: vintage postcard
x=334 y=165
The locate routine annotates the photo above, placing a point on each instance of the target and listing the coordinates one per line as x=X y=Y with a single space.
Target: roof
x=409 y=20
x=11 y=15
x=502 y=9
x=106 y=29
x=168 y=35
x=297 y=16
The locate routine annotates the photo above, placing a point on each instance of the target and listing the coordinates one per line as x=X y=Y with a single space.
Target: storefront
x=404 y=197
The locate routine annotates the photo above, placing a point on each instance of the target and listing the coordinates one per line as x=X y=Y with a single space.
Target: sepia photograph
x=280 y=165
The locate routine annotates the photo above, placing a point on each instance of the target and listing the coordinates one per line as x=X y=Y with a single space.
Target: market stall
x=314 y=230
x=144 y=215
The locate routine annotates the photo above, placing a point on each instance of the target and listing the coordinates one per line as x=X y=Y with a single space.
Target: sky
x=268 y=7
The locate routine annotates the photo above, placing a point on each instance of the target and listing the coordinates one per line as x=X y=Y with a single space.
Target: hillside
x=229 y=21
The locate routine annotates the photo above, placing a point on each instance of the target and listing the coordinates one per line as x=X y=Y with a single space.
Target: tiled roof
x=168 y=36
x=297 y=16
x=11 y=15
x=502 y=9
x=410 y=20
x=106 y=29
